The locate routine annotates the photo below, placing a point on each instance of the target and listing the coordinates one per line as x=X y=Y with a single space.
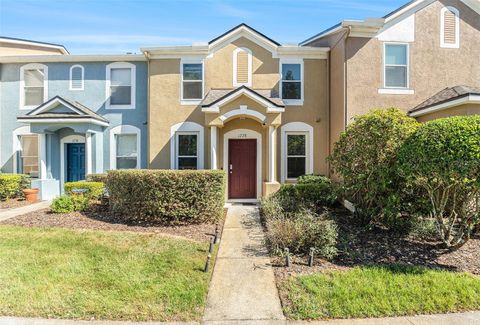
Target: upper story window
x=76 y=77
x=291 y=88
x=192 y=82
x=242 y=67
x=33 y=85
x=450 y=27
x=120 y=85
x=396 y=66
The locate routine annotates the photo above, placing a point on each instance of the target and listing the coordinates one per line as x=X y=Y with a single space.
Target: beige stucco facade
x=9 y=48
x=357 y=64
x=166 y=110
x=467 y=109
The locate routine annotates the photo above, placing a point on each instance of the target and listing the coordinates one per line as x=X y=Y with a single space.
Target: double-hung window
x=121 y=85
x=187 y=150
x=29 y=155
x=296 y=155
x=291 y=85
x=396 y=65
x=192 y=82
x=126 y=151
x=33 y=87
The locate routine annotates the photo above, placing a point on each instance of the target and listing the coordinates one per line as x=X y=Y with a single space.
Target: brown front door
x=242 y=169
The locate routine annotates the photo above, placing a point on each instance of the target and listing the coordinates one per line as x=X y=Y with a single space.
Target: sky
x=121 y=26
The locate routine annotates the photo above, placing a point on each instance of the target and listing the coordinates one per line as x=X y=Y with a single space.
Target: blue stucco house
x=63 y=117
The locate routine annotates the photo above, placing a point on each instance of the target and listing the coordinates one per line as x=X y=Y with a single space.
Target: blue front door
x=75 y=162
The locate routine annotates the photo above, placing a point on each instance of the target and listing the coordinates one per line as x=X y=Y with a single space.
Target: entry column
x=272 y=156
x=213 y=147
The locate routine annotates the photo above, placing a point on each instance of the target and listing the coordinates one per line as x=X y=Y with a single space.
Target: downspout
x=345 y=72
x=147 y=55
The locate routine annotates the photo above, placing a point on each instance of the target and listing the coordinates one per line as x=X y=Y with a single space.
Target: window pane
x=291 y=90
x=396 y=54
x=33 y=96
x=291 y=71
x=29 y=155
x=187 y=163
x=296 y=145
x=192 y=90
x=295 y=167
x=33 y=78
x=192 y=72
x=396 y=77
x=187 y=145
x=126 y=162
x=121 y=95
x=127 y=145
x=121 y=77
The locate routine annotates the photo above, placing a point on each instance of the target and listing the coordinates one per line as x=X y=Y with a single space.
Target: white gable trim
x=243 y=111
x=244 y=91
x=239 y=32
x=52 y=104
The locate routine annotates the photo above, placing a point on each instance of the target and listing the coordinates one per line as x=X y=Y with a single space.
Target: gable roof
x=77 y=113
x=397 y=13
x=218 y=97
x=446 y=98
x=239 y=28
x=12 y=40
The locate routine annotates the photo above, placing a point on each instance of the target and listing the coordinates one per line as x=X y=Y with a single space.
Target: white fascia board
x=62 y=120
x=53 y=104
x=72 y=58
x=302 y=52
x=364 y=28
x=327 y=33
x=246 y=32
x=33 y=43
x=471 y=99
x=165 y=52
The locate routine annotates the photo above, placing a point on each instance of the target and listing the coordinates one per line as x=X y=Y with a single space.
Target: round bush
x=92 y=190
x=443 y=158
x=365 y=155
x=68 y=204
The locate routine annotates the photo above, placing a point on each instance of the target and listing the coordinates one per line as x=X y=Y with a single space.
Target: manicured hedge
x=93 y=190
x=97 y=177
x=167 y=196
x=313 y=195
x=11 y=185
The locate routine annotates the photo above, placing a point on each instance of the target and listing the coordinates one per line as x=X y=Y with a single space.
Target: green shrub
x=301 y=231
x=316 y=196
x=425 y=229
x=11 y=185
x=97 y=178
x=93 y=190
x=68 y=204
x=313 y=179
x=167 y=196
x=364 y=157
x=443 y=158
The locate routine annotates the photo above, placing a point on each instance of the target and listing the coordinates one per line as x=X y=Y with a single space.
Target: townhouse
x=264 y=112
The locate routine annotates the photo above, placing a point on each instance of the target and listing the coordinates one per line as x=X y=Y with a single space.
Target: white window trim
x=120 y=65
x=385 y=66
x=250 y=65
x=296 y=128
x=293 y=102
x=457 y=28
x=124 y=130
x=177 y=143
x=32 y=66
x=186 y=128
x=17 y=145
x=191 y=101
x=82 y=79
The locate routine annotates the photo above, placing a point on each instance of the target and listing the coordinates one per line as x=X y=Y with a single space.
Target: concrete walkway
x=243 y=285
x=11 y=213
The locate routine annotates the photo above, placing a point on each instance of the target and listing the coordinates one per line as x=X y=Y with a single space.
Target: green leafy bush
x=313 y=179
x=68 y=204
x=167 y=196
x=364 y=157
x=97 y=178
x=11 y=185
x=316 y=196
x=92 y=190
x=443 y=158
x=301 y=231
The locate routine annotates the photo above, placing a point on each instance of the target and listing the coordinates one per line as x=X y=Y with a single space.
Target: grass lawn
x=60 y=273
x=380 y=291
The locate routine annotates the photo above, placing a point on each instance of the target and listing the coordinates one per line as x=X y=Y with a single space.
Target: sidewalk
x=11 y=213
x=243 y=285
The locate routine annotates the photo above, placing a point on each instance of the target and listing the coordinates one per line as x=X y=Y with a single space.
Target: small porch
x=243 y=139
x=70 y=144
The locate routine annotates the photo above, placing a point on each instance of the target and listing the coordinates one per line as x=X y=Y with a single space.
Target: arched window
x=296 y=150
x=125 y=147
x=186 y=146
x=76 y=77
x=450 y=27
x=242 y=67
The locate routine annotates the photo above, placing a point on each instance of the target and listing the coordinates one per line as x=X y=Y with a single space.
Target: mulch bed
x=360 y=246
x=99 y=219
x=13 y=203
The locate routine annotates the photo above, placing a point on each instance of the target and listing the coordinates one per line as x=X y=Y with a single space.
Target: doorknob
x=231 y=168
